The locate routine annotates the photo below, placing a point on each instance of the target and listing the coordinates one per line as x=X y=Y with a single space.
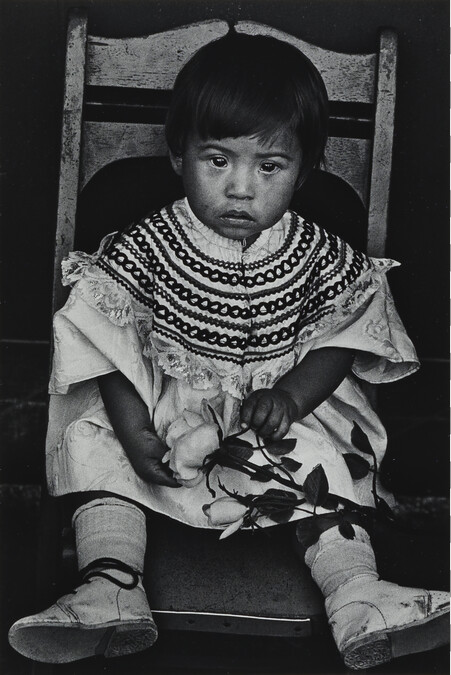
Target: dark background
x=415 y=410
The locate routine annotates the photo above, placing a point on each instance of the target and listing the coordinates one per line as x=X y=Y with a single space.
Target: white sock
x=334 y=560
x=110 y=528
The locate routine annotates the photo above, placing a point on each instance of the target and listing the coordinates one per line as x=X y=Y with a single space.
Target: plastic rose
x=189 y=446
x=226 y=512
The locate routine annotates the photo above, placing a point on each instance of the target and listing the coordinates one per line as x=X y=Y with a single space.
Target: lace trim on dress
x=203 y=373
x=198 y=371
x=98 y=290
x=352 y=299
x=74 y=267
x=105 y=295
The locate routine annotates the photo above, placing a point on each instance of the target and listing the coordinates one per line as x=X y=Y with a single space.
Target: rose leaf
x=316 y=486
x=281 y=516
x=331 y=502
x=284 y=494
x=263 y=477
x=282 y=447
x=290 y=464
x=358 y=466
x=360 y=440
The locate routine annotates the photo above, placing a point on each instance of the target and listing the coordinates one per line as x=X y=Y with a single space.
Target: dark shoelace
x=96 y=569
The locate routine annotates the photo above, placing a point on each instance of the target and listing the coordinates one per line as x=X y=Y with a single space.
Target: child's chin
x=239 y=234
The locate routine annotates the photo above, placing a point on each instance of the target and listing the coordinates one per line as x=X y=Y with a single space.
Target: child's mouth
x=237 y=216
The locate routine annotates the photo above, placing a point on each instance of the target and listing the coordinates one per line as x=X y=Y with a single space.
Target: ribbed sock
x=110 y=528
x=335 y=560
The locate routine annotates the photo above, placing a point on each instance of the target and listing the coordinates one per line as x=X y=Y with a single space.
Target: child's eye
x=219 y=162
x=269 y=167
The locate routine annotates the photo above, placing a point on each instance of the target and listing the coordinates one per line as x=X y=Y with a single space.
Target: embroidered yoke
x=189 y=316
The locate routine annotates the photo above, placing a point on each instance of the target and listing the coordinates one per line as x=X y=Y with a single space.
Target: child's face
x=239 y=186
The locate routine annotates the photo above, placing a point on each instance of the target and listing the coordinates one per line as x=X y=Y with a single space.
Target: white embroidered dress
x=190 y=317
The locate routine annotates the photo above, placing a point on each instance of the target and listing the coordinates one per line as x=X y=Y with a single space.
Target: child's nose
x=241 y=185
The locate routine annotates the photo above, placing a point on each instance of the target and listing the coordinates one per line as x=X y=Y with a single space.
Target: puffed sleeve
x=99 y=330
x=384 y=352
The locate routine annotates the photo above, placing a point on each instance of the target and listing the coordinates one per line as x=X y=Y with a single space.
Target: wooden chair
x=116 y=92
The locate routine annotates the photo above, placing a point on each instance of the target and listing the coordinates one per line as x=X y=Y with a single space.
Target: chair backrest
x=117 y=91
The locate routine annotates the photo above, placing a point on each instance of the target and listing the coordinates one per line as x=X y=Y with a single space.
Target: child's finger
x=247 y=411
x=161 y=475
x=262 y=414
x=271 y=423
x=282 y=429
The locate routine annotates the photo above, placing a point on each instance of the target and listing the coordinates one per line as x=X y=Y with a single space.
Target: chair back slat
x=108 y=142
x=349 y=158
x=348 y=77
x=150 y=62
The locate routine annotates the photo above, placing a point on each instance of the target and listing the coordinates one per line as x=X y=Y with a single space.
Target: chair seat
x=250 y=583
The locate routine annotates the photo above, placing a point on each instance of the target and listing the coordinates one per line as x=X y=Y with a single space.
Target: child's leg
x=372 y=621
x=108 y=613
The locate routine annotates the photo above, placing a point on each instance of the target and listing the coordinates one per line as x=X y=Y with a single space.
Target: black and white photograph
x=225 y=337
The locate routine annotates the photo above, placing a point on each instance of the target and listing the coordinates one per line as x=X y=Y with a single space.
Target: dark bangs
x=236 y=103
x=243 y=85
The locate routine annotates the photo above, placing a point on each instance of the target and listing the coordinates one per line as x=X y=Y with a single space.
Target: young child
x=225 y=300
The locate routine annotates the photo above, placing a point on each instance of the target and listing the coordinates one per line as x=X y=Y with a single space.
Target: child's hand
x=145 y=451
x=269 y=412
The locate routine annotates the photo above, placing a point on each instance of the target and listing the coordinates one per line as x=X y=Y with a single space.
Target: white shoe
x=373 y=621
x=99 y=617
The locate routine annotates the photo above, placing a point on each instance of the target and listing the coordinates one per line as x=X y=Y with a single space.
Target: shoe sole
x=56 y=643
x=124 y=641
x=381 y=646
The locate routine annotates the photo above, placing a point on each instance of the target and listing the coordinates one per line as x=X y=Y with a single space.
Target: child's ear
x=176 y=162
